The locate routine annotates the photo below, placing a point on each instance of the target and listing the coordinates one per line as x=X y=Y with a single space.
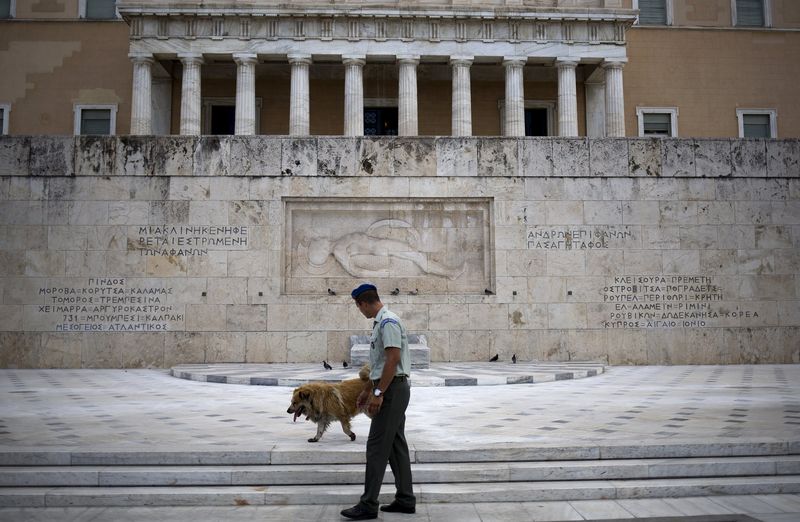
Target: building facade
x=596 y=68
x=551 y=179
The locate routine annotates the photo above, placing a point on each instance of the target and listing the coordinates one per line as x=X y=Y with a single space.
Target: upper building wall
x=783 y=14
x=786 y=13
x=345 y=4
x=47 y=9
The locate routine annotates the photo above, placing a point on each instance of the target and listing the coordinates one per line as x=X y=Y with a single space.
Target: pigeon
x=495 y=358
x=488 y=292
x=326 y=365
x=414 y=291
x=331 y=292
x=514 y=358
x=344 y=364
x=395 y=291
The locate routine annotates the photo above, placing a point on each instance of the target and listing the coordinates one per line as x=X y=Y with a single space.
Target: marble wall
x=128 y=252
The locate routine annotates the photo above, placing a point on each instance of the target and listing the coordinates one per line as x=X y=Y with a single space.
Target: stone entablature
x=381 y=26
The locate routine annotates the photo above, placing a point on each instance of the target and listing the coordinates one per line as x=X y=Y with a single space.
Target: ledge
x=331 y=156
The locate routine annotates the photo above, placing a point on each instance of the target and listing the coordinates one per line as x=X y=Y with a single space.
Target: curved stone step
x=439 y=374
x=103 y=476
x=426 y=493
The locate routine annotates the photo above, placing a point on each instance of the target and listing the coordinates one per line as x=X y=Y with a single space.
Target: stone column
x=567 y=97
x=245 y=93
x=354 y=94
x=515 y=96
x=299 y=105
x=615 y=102
x=190 y=93
x=407 y=114
x=142 y=100
x=595 y=108
x=462 y=96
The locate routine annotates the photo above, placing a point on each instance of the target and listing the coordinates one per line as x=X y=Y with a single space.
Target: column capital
x=614 y=63
x=354 y=59
x=191 y=58
x=141 y=57
x=410 y=59
x=245 y=58
x=567 y=62
x=304 y=59
x=461 y=60
x=515 y=61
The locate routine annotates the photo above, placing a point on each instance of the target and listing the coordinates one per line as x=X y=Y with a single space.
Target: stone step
x=304 y=453
x=438 y=374
x=103 y=476
x=426 y=493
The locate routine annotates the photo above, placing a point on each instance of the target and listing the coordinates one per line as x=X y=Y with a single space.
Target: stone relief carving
x=434 y=246
x=368 y=254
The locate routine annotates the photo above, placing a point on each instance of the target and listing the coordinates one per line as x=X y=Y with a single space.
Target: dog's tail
x=363 y=373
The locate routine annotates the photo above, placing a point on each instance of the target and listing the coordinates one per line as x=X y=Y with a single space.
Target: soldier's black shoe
x=394 y=507
x=358 y=513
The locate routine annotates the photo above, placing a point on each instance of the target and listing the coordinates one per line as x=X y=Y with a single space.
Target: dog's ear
x=304 y=396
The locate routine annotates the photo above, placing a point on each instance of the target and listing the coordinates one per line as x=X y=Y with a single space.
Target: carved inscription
x=188 y=240
x=107 y=305
x=674 y=301
x=578 y=237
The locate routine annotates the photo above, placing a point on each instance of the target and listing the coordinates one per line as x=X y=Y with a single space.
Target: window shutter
x=95 y=121
x=750 y=13
x=756 y=126
x=657 y=124
x=5 y=8
x=101 y=9
x=653 y=12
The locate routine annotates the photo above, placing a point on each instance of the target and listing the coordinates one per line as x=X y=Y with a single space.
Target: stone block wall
x=128 y=252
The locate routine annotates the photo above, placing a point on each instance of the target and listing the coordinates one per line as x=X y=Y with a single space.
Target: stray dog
x=324 y=403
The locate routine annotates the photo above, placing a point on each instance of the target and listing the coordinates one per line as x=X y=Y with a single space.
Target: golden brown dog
x=323 y=403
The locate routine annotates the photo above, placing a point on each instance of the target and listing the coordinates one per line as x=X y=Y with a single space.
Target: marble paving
x=746 y=508
x=148 y=409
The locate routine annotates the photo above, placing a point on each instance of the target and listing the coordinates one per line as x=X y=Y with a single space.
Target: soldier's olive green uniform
x=387 y=440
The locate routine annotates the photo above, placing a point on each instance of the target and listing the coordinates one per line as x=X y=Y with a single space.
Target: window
x=219 y=116
x=380 y=121
x=654 y=12
x=540 y=117
x=98 y=9
x=381 y=117
x=751 y=13
x=8 y=8
x=95 y=119
x=657 y=121
x=757 y=123
x=4 y=110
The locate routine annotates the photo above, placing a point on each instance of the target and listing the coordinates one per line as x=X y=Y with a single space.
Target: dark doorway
x=380 y=121
x=223 y=119
x=536 y=123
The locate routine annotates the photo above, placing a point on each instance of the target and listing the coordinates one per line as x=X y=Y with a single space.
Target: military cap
x=361 y=289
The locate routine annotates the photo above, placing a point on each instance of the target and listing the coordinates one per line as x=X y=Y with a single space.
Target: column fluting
x=515 y=96
x=407 y=112
x=190 y=93
x=354 y=94
x=615 y=100
x=567 y=97
x=300 y=101
x=245 y=93
x=462 y=96
x=142 y=99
